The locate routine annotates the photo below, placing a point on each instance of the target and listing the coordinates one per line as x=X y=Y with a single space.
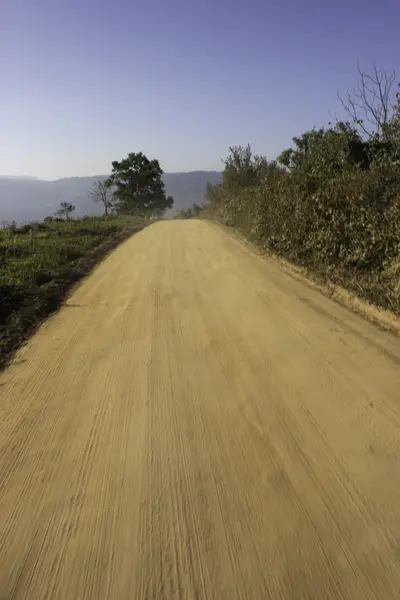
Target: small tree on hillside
x=65 y=210
x=139 y=189
x=102 y=194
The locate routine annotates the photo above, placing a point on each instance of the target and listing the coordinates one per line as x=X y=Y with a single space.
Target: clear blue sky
x=86 y=81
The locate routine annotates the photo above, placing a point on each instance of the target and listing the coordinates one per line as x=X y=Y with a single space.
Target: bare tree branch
x=372 y=101
x=101 y=193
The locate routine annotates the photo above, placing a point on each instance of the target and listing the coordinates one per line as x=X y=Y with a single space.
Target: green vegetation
x=138 y=187
x=65 y=210
x=39 y=263
x=330 y=203
x=189 y=213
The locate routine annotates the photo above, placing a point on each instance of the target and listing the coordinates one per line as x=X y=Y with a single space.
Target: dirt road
x=196 y=424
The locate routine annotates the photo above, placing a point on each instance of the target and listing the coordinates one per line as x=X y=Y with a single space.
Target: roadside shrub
x=331 y=204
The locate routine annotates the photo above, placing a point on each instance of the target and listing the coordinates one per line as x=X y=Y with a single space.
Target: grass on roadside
x=39 y=262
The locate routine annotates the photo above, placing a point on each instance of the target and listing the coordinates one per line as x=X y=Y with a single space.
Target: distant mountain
x=18 y=177
x=24 y=199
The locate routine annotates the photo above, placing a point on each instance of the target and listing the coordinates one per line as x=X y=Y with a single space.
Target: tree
x=328 y=152
x=243 y=168
x=193 y=212
x=102 y=194
x=138 y=187
x=371 y=105
x=65 y=210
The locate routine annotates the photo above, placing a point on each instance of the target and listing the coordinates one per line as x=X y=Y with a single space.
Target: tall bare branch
x=102 y=194
x=371 y=104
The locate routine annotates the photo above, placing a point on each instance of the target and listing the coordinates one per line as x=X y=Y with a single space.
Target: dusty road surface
x=195 y=424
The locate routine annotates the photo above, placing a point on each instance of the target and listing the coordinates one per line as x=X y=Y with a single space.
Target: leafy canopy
x=138 y=187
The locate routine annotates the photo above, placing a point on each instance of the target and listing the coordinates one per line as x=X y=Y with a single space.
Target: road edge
x=384 y=319
x=18 y=331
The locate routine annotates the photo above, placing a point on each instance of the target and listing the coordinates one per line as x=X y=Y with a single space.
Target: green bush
x=331 y=203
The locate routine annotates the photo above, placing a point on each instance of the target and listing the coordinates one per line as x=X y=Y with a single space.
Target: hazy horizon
x=88 y=82
x=94 y=175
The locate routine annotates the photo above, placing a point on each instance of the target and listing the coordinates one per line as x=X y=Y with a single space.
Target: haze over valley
x=25 y=199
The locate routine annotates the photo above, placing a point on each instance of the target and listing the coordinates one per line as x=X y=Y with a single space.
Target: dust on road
x=197 y=424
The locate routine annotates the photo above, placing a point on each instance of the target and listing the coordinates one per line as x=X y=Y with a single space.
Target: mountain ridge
x=24 y=199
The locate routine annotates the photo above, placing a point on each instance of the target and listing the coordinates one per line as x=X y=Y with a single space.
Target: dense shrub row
x=330 y=203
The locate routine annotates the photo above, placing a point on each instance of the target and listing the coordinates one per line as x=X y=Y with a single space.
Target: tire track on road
x=193 y=428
